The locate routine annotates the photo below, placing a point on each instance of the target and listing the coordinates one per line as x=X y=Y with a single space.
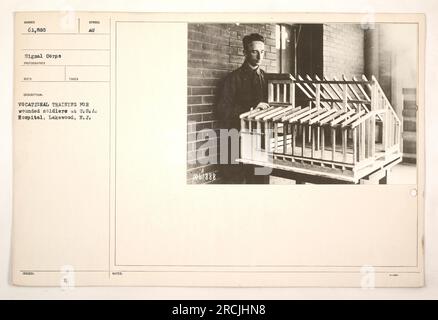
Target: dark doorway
x=300 y=49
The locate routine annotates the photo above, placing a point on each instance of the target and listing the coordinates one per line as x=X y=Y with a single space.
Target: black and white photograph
x=291 y=103
x=118 y=119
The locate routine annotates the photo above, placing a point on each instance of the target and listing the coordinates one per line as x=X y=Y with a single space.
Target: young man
x=244 y=89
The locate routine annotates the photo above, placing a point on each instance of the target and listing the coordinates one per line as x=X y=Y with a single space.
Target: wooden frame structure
x=338 y=129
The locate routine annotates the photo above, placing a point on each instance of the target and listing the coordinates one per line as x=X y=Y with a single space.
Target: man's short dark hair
x=250 y=38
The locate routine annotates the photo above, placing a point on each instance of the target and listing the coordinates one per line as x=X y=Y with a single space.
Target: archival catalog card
x=244 y=150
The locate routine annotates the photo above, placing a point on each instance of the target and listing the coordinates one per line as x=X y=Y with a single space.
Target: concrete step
x=409 y=158
x=409 y=142
x=409 y=124
x=409 y=104
x=409 y=135
x=409 y=91
x=409 y=146
x=411 y=113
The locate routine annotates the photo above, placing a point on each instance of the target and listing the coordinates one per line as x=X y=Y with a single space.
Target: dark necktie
x=257 y=84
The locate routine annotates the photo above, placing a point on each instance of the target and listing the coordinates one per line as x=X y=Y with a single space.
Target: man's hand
x=261 y=106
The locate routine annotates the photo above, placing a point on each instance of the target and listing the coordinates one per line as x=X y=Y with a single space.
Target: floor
x=403 y=173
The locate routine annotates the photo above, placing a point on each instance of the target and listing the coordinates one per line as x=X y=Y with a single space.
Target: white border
x=425 y=6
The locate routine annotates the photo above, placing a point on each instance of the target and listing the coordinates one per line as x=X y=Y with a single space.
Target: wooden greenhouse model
x=342 y=130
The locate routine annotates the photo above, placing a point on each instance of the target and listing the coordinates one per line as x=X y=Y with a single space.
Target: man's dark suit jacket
x=243 y=89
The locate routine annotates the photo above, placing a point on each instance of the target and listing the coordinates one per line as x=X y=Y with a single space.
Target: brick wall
x=214 y=50
x=343 y=50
